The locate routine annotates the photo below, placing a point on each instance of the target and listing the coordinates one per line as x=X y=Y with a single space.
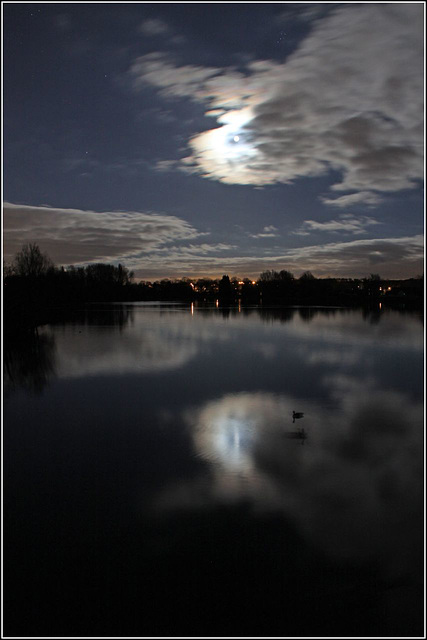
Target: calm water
x=154 y=484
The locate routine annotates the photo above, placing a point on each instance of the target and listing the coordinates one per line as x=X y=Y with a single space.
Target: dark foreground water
x=156 y=484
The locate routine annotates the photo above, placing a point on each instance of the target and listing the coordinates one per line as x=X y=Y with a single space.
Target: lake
x=156 y=483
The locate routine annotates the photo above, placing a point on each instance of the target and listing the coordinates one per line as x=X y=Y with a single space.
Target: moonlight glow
x=226 y=151
x=226 y=432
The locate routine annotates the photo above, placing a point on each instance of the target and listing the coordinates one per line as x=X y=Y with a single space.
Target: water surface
x=156 y=483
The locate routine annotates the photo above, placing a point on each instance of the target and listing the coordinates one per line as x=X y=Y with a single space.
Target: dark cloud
x=153 y=27
x=397 y=258
x=158 y=245
x=72 y=236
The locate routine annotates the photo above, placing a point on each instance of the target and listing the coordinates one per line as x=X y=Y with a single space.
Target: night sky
x=196 y=139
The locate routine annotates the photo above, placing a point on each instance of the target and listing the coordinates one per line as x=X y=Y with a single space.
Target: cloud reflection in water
x=155 y=342
x=354 y=491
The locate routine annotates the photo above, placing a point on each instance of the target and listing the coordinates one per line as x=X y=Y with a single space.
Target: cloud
x=396 y=257
x=158 y=245
x=349 y=99
x=267 y=232
x=200 y=249
x=346 y=224
x=393 y=257
x=166 y=165
x=156 y=69
x=153 y=27
x=73 y=236
x=363 y=197
x=305 y=12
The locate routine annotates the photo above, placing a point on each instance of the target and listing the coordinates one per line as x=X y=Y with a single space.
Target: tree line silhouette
x=35 y=289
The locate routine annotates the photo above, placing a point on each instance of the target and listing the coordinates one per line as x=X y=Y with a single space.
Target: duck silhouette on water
x=296 y=415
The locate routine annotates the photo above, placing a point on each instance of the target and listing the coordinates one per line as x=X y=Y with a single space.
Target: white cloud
x=362 y=197
x=156 y=69
x=166 y=165
x=267 y=232
x=346 y=224
x=350 y=98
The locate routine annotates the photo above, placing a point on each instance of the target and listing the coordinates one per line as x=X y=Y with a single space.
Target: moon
x=236 y=138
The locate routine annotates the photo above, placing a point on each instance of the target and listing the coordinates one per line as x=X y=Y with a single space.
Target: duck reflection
x=300 y=434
